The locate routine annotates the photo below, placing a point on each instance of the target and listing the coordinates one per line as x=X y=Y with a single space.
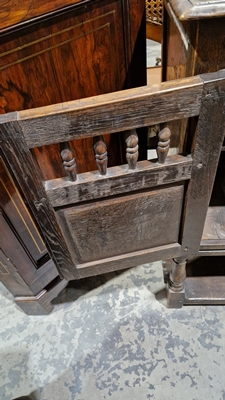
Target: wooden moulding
x=41 y=303
x=120 y=179
x=204 y=290
x=197 y=9
x=105 y=114
x=213 y=237
x=129 y=260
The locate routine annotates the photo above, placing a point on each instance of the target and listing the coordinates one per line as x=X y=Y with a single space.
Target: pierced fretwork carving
x=163 y=144
x=101 y=155
x=131 y=139
x=68 y=160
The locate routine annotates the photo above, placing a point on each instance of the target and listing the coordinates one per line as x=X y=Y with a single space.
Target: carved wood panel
x=113 y=227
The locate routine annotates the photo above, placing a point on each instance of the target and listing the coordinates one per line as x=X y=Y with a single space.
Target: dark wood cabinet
x=51 y=53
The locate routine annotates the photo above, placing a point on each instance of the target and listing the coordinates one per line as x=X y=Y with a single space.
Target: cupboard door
x=75 y=54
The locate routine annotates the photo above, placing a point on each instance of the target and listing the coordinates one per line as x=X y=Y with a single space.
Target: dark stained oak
x=163 y=144
x=30 y=182
x=68 y=121
x=206 y=147
x=68 y=160
x=101 y=155
x=131 y=139
x=118 y=180
x=97 y=230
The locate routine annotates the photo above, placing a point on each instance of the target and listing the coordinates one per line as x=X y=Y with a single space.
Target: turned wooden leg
x=175 y=288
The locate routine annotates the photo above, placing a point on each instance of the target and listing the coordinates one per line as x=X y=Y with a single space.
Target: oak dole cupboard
x=54 y=52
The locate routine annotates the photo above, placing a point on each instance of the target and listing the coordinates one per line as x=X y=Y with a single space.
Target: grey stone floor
x=111 y=337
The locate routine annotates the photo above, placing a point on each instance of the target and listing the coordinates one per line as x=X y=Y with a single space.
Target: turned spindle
x=131 y=139
x=163 y=144
x=69 y=163
x=101 y=155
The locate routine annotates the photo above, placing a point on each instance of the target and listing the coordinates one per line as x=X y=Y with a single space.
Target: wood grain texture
x=28 y=178
x=15 y=12
x=68 y=160
x=52 y=60
x=205 y=290
x=129 y=260
x=131 y=139
x=214 y=224
x=163 y=144
x=206 y=149
x=90 y=117
x=119 y=180
x=114 y=226
x=101 y=155
x=213 y=237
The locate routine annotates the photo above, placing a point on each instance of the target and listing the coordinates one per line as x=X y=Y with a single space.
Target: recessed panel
x=122 y=225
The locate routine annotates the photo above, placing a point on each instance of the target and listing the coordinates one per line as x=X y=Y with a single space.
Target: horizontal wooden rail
x=113 y=112
x=91 y=186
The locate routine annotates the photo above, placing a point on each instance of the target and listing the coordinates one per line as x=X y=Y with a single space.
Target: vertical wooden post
x=68 y=160
x=163 y=144
x=101 y=155
x=175 y=292
x=131 y=139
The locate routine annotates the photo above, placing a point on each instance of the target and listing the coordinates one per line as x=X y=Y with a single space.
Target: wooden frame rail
x=116 y=112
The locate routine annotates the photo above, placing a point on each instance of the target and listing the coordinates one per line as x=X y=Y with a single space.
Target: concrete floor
x=111 y=337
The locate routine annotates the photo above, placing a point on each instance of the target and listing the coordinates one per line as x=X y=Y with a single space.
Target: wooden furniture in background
x=131 y=214
x=193 y=44
x=52 y=52
x=154 y=19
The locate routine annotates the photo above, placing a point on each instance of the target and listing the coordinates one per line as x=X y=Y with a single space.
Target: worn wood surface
x=214 y=224
x=131 y=139
x=90 y=117
x=205 y=290
x=101 y=155
x=118 y=226
x=129 y=260
x=206 y=148
x=106 y=231
x=28 y=178
x=197 y=9
x=119 y=180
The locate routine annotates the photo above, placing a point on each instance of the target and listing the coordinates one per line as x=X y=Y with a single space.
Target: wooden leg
x=175 y=288
x=166 y=265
